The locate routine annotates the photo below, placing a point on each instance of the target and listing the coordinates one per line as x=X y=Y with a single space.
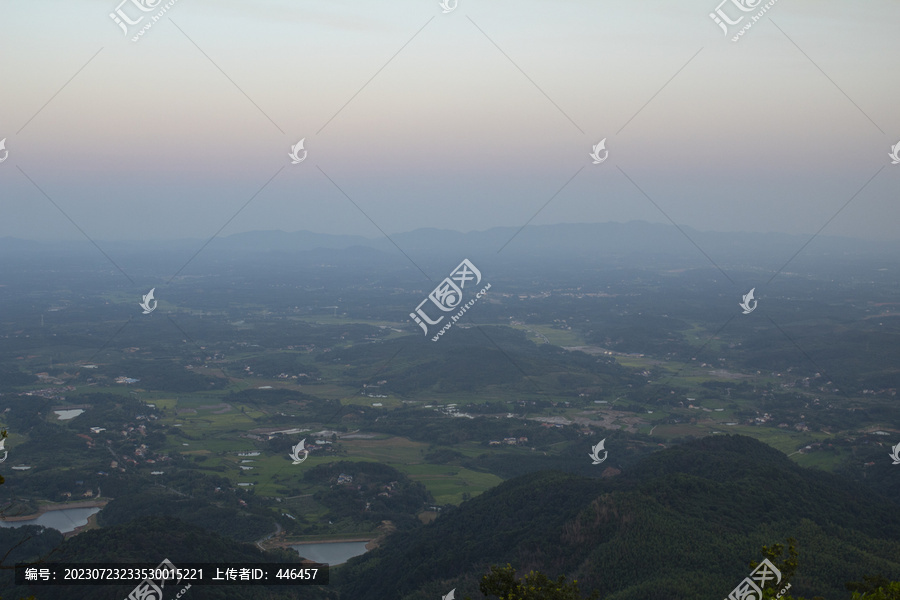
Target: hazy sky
x=467 y=120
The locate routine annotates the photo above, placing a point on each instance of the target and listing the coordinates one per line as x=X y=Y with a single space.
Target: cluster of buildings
x=267 y=434
x=304 y=347
x=85 y=494
x=811 y=447
x=512 y=441
x=49 y=393
x=453 y=411
x=388 y=490
x=131 y=432
x=374 y=385
x=47 y=378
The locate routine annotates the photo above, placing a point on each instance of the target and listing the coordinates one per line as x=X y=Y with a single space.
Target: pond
x=64 y=520
x=65 y=415
x=333 y=553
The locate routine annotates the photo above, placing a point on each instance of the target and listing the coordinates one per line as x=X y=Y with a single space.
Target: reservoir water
x=65 y=415
x=64 y=520
x=333 y=553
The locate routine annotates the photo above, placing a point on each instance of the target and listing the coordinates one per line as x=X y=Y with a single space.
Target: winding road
x=276 y=532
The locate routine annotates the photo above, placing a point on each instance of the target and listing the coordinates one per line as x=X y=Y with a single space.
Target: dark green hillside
x=162 y=375
x=523 y=512
x=275 y=396
x=155 y=538
x=368 y=492
x=477 y=359
x=682 y=524
x=223 y=517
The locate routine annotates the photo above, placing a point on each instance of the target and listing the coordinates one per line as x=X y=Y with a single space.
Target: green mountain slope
x=151 y=539
x=682 y=524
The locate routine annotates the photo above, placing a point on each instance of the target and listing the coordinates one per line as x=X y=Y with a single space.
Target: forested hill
x=161 y=537
x=683 y=524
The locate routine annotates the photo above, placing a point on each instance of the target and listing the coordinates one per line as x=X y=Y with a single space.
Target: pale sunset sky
x=465 y=120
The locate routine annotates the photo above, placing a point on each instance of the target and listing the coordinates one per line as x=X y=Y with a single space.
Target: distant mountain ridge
x=582 y=238
x=558 y=253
